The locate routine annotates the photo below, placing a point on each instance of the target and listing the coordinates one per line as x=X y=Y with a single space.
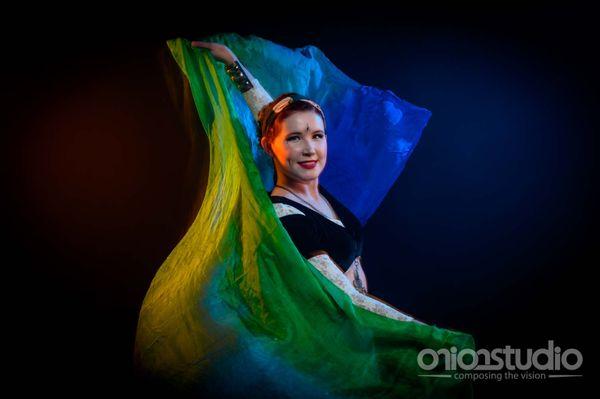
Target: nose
x=309 y=148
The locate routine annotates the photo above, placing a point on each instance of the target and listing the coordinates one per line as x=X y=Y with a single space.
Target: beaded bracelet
x=238 y=76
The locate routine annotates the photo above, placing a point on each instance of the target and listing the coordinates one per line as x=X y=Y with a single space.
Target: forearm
x=335 y=274
x=254 y=94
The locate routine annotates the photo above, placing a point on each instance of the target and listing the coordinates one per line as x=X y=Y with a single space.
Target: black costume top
x=314 y=232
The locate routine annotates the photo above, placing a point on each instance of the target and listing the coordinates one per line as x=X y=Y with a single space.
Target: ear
x=266 y=146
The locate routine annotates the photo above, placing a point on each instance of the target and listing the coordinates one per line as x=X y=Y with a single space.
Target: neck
x=306 y=189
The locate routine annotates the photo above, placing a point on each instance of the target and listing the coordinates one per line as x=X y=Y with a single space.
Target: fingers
x=203 y=44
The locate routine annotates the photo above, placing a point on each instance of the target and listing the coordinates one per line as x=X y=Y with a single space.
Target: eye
x=319 y=135
x=293 y=138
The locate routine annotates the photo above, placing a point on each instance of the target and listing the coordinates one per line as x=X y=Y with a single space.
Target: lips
x=308 y=164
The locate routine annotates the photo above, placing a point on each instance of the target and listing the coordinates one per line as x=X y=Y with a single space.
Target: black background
x=490 y=229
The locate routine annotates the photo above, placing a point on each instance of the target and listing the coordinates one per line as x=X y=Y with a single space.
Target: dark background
x=490 y=229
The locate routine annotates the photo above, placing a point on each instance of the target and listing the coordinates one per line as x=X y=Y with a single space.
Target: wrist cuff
x=238 y=76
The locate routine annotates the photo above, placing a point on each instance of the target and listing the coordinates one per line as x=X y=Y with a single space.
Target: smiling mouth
x=308 y=164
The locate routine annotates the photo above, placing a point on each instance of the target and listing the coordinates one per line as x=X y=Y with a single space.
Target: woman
x=292 y=130
x=265 y=296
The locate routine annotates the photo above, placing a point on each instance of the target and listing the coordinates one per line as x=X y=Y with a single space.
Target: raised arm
x=255 y=95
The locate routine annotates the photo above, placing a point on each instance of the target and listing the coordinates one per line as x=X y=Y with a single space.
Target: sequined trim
x=333 y=273
x=285 y=209
x=256 y=98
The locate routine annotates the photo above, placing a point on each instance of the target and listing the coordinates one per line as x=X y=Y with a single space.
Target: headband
x=275 y=109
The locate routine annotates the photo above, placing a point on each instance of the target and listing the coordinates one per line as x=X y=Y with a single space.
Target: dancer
x=265 y=295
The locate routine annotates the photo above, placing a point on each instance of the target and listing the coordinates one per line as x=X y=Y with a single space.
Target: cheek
x=322 y=149
x=282 y=151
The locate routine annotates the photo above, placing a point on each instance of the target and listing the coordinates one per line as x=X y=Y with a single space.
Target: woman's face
x=299 y=148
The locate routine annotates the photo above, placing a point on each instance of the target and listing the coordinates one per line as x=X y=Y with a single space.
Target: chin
x=312 y=176
x=307 y=176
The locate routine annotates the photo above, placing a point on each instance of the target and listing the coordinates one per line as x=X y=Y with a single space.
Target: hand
x=221 y=52
x=357 y=276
